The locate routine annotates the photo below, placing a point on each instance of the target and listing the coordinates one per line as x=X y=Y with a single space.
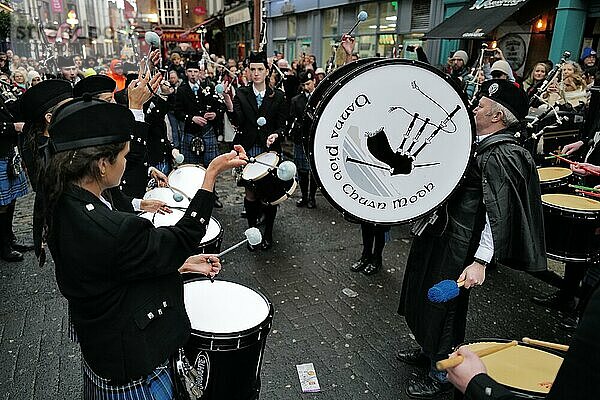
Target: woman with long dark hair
x=120 y=274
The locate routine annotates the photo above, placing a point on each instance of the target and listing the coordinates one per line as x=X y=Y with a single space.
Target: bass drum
x=390 y=139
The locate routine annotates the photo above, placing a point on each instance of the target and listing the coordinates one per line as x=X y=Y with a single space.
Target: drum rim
x=568 y=209
x=287 y=195
x=265 y=173
x=220 y=235
x=341 y=81
x=523 y=344
x=237 y=334
x=554 y=180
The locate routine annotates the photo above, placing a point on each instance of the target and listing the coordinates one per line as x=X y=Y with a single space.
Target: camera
x=410 y=47
x=489 y=53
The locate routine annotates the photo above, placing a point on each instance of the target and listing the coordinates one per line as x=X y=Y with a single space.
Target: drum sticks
x=548 y=345
x=454 y=361
x=253 y=236
x=591 y=172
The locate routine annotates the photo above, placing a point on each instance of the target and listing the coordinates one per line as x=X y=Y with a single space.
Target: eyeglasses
x=36 y=79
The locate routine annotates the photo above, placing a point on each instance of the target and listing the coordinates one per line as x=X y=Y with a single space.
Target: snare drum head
x=166 y=195
x=223 y=307
x=256 y=171
x=391 y=140
x=187 y=179
x=163 y=219
x=213 y=231
x=553 y=173
x=572 y=202
x=521 y=367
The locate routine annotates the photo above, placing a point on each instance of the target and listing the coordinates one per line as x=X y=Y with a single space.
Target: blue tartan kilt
x=158 y=385
x=11 y=188
x=211 y=148
x=300 y=158
x=255 y=150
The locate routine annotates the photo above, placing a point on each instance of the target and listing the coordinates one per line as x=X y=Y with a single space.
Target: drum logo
x=202 y=366
x=387 y=155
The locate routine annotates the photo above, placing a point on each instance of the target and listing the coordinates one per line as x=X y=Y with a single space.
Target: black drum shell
x=572 y=235
x=235 y=359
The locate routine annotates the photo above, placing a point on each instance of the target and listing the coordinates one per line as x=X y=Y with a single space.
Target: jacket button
x=150 y=315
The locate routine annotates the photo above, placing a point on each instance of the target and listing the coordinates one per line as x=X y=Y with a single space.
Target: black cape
x=501 y=180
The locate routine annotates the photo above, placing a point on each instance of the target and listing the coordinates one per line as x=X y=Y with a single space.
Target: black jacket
x=246 y=113
x=8 y=134
x=158 y=146
x=119 y=274
x=297 y=106
x=188 y=105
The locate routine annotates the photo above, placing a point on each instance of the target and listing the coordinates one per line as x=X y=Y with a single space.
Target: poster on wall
x=515 y=51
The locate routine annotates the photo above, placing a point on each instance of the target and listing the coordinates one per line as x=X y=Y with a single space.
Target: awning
x=206 y=23
x=476 y=21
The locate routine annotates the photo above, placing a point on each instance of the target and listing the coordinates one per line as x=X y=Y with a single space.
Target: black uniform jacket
x=135 y=178
x=246 y=113
x=119 y=274
x=8 y=134
x=188 y=105
x=158 y=146
x=511 y=193
x=577 y=377
x=297 y=106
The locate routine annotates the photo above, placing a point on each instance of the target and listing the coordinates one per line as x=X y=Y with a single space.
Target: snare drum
x=572 y=225
x=230 y=324
x=187 y=179
x=555 y=179
x=264 y=181
x=166 y=195
x=525 y=370
x=210 y=243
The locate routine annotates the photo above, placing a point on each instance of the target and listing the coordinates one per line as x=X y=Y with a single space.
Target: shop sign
x=237 y=17
x=57 y=6
x=199 y=10
x=180 y=37
x=514 y=49
x=479 y=4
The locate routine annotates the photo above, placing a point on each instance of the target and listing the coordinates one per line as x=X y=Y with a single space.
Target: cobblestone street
x=351 y=341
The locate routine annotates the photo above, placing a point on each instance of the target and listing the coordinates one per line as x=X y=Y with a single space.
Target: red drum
x=382 y=157
x=572 y=225
x=230 y=324
x=263 y=179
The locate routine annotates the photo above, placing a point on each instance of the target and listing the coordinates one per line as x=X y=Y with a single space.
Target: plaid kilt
x=300 y=158
x=211 y=148
x=11 y=188
x=158 y=385
x=255 y=150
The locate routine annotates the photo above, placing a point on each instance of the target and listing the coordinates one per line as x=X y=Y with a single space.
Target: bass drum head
x=223 y=307
x=391 y=140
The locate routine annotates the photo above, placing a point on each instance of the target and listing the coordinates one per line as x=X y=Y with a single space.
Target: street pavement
x=351 y=341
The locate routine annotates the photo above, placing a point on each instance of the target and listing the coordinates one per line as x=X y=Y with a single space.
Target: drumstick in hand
x=454 y=361
x=253 y=236
x=548 y=345
x=590 y=171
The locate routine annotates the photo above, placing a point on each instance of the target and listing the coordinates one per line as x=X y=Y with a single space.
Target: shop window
x=385 y=45
x=388 y=16
x=327 y=50
x=348 y=16
x=302 y=25
x=303 y=46
x=369 y=26
x=291 y=28
x=366 y=46
x=280 y=28
x=330 y=22
x=169 y=12
x=420 y=15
